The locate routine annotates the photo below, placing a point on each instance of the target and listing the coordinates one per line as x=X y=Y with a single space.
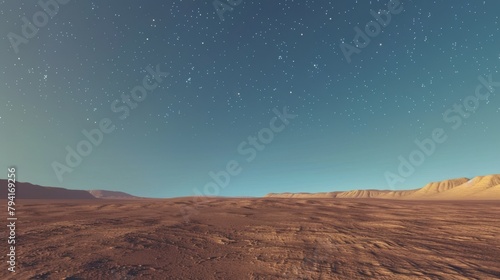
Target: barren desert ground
x=264 y=238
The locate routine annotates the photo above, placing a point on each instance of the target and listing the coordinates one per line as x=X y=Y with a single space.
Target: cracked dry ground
x=257 y=239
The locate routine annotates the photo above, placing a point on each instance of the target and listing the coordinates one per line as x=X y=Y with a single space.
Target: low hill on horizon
x=32 y=191
x=111 y=194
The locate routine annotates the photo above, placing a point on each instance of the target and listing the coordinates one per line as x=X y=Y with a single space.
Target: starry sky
x=223 y=78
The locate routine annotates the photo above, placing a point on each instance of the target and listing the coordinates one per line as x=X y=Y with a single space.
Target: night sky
x=219 y=82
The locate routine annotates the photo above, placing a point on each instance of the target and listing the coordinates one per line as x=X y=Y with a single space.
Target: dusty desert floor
x=265 y=238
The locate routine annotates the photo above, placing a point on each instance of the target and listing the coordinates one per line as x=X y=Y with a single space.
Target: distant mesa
x=477 y=188
x=481 y=187
x=436 y=188
x=31 y=191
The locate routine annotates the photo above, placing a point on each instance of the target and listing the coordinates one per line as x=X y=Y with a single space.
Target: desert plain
x=256 y=238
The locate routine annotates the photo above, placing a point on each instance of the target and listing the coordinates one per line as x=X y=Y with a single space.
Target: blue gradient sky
x=226 y=77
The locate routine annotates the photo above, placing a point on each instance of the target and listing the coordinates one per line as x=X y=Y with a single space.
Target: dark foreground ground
x=256 y=239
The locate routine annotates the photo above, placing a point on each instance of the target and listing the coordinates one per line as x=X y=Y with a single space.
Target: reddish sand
x=266 y=238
